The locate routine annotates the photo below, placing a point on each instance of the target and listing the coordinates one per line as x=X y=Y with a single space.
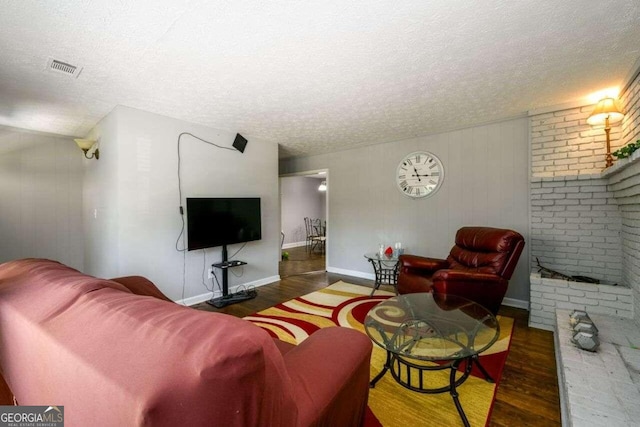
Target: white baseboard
x=353 y=273
x=293 y=245
x=233 y=289
x=195 y=300
x=511 y=302
x=517 y=303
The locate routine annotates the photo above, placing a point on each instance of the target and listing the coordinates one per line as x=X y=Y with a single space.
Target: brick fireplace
x=575 y=229
x=586 y=221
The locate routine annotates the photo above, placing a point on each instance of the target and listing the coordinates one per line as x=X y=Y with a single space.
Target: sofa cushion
x=141 y=286
x=28 y=283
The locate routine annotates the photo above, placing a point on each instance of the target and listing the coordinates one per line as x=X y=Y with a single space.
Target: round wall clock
x=419 y=174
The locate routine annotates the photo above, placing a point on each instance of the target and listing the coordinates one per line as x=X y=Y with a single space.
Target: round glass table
x=419 y=329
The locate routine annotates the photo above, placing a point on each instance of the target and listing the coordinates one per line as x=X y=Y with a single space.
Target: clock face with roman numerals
x=419 y=174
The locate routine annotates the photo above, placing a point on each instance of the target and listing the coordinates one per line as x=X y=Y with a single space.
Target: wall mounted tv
x=215 y=222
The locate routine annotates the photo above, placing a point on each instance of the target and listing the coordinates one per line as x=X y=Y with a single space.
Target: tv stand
x=227 y=298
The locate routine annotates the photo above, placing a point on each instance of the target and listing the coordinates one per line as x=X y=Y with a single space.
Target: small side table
x=385 y=268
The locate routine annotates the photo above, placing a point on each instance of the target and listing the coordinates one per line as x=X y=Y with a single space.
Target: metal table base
x=385 y=274
x=396 y=363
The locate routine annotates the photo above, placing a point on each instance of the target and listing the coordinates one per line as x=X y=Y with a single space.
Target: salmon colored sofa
x=120 y=353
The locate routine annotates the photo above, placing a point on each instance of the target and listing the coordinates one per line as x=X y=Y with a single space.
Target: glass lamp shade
x=606 y=107
x=323 y=186
x=89 y=147
x=84 y=144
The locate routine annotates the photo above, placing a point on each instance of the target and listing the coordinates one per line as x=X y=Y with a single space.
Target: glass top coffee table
x=416 y=329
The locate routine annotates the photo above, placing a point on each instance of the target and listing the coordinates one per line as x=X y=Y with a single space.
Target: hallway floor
x=301 y=262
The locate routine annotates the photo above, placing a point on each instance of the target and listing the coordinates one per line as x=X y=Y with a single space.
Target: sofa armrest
x=330 y=376
x=422 y=263
x=141 y=286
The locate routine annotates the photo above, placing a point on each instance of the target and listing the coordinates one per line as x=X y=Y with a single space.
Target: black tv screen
x=222 y=221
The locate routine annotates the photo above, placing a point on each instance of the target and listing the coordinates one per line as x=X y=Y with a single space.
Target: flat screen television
x=215 y=222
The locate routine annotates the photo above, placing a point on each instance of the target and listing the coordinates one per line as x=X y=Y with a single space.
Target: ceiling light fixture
x=323 y=186
x=606 y=113
x=89 y=147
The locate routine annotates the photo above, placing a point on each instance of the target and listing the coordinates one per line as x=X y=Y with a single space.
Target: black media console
x=227 y=298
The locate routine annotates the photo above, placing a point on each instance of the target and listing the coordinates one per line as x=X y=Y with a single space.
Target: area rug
x=390 y=404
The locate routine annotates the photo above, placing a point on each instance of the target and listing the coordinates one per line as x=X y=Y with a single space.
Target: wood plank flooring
x=528 y=392
x=301 y=261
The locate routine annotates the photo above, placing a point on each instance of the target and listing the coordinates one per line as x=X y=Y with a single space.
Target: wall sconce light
x=323 y=186
x=90 y=148
x=606 y=113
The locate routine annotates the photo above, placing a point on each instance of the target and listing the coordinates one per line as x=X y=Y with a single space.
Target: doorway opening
x=303 y=219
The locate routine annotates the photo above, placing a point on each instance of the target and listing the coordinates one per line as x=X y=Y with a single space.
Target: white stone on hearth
x=599 y=388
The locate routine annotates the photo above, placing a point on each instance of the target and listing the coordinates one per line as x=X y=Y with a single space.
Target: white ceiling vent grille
x=56 y=66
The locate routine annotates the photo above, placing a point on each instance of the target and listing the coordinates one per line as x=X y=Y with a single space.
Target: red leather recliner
x=478 y=267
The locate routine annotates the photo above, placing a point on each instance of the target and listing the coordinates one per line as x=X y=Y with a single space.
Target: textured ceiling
x=311 y=76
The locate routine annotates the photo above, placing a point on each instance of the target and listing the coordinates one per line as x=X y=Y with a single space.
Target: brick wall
x=575 y=223
x=575 y=227
x=562 y=143
x=626 y=187
x=548 y=295
x=584 y=222
x=630 y=103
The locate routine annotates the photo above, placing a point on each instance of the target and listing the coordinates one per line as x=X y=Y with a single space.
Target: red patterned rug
x=390 y=404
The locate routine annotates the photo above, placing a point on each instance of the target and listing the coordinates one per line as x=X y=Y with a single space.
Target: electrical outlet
x=210 y=273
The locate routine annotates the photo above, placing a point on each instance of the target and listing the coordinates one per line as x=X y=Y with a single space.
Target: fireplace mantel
x=629 y=166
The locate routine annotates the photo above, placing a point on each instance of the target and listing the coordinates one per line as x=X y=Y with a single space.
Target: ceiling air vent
x=63 y=68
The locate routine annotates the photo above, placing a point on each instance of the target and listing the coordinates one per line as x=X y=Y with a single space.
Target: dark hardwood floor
x=301 y=261
x=528 y=391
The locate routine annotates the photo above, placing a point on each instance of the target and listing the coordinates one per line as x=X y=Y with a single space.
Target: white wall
x=135 y=195
x=486 y=183
x=100 y=203
x=300 y=198
x=40 y=197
